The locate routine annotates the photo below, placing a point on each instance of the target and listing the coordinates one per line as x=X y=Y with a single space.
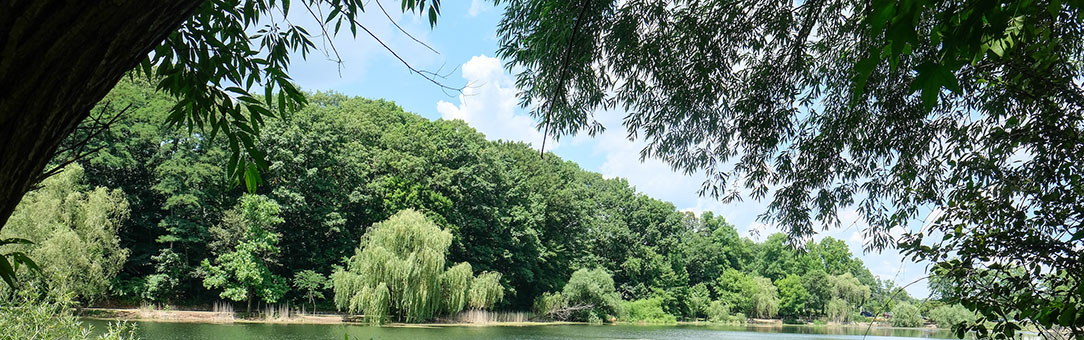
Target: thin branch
x=401 y=28
x=411 y=68
x=893 y=296
x=327 y=39
x=564 y=73
x=78 y=147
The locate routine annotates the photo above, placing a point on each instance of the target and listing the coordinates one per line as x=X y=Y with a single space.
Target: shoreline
x=210 y=317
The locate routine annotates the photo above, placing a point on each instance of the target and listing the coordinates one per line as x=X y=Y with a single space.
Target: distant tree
x=311 y=284
x=764 y=301
x=486 y=290
x=170 y=271
x=698 y=301
x=593 y=288
x=647 y=311
x=847 y=288
x=951 y=316
x=398 y=272
x=819 y=286
x=738 y=290
x=243 y=273
x=838 y=310
x=793 y=297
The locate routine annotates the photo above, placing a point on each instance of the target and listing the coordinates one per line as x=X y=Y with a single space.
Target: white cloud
x=477 y=7
x=489 y=104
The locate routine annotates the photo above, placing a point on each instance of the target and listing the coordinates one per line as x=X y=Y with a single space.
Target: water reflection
x=194 y=331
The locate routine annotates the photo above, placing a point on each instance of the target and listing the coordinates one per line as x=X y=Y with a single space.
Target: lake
x=199 y=331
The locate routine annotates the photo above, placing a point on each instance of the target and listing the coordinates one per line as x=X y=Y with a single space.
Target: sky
x=465 y=43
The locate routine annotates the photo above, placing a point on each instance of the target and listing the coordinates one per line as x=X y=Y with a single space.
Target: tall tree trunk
x=58 y=58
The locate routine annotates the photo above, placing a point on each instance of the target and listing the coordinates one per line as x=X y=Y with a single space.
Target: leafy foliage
x=951 y=316
x=25 y=317
x=647 y=311
x=244 y=273
x=311 y=284
x=342 y=164
x=906 y=315
x=593 y=288
x=971 y=109
x=71 y=235
x=486 y=291
x=398 y=272
x=793 y=296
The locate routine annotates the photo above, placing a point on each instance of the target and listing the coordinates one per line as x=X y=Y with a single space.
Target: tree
x=72 y=233
x=698 y=302
x=204 y=53
x=837 y=310
x=847 y=288
x=398 y=272
x=906 y=315
x=819 y=286
x=486 y=291
x=793 y=297
x=243 y=273
x=312 y=284
x=647 y=311
x=732 y=288
x=764 y=302
x=951 y=316
x=972 y=109
x=594 y=289
x=170 y=271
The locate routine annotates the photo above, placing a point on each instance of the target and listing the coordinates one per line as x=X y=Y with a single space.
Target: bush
x=594 y=288
x=647 y=311
x=906 y=315
x=549 y=304
x=24 y=318
x=951 y=315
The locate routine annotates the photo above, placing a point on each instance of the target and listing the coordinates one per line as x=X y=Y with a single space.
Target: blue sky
x=465 y=38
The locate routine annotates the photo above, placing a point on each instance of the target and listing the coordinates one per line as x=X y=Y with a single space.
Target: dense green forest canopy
x=527 y=225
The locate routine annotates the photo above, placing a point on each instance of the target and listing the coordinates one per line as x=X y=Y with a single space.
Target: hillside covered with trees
x=467 y=223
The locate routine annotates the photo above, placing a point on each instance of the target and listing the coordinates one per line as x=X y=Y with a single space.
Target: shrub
x=549 y=304
x=594 y=288
x=949 y=316
x=25 y=318
x=906 y=315
x=647 y=311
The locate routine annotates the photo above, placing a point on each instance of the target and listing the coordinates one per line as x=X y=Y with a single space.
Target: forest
x=360 y=195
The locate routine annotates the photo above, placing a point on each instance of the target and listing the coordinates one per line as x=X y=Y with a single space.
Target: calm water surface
x=196 y=331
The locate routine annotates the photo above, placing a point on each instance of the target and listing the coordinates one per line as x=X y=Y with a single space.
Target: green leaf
x=15 y=240
x=25 y=260
x=252 y=178
x=7 y=272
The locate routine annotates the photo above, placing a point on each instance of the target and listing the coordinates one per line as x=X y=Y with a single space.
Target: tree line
x=493 y=225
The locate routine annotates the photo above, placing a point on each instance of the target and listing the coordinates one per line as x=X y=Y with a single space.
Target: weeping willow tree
x=486 y=290
x=398 y=273
x=454 y=283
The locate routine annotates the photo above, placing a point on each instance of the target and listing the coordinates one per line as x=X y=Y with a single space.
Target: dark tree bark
x=58 y=58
